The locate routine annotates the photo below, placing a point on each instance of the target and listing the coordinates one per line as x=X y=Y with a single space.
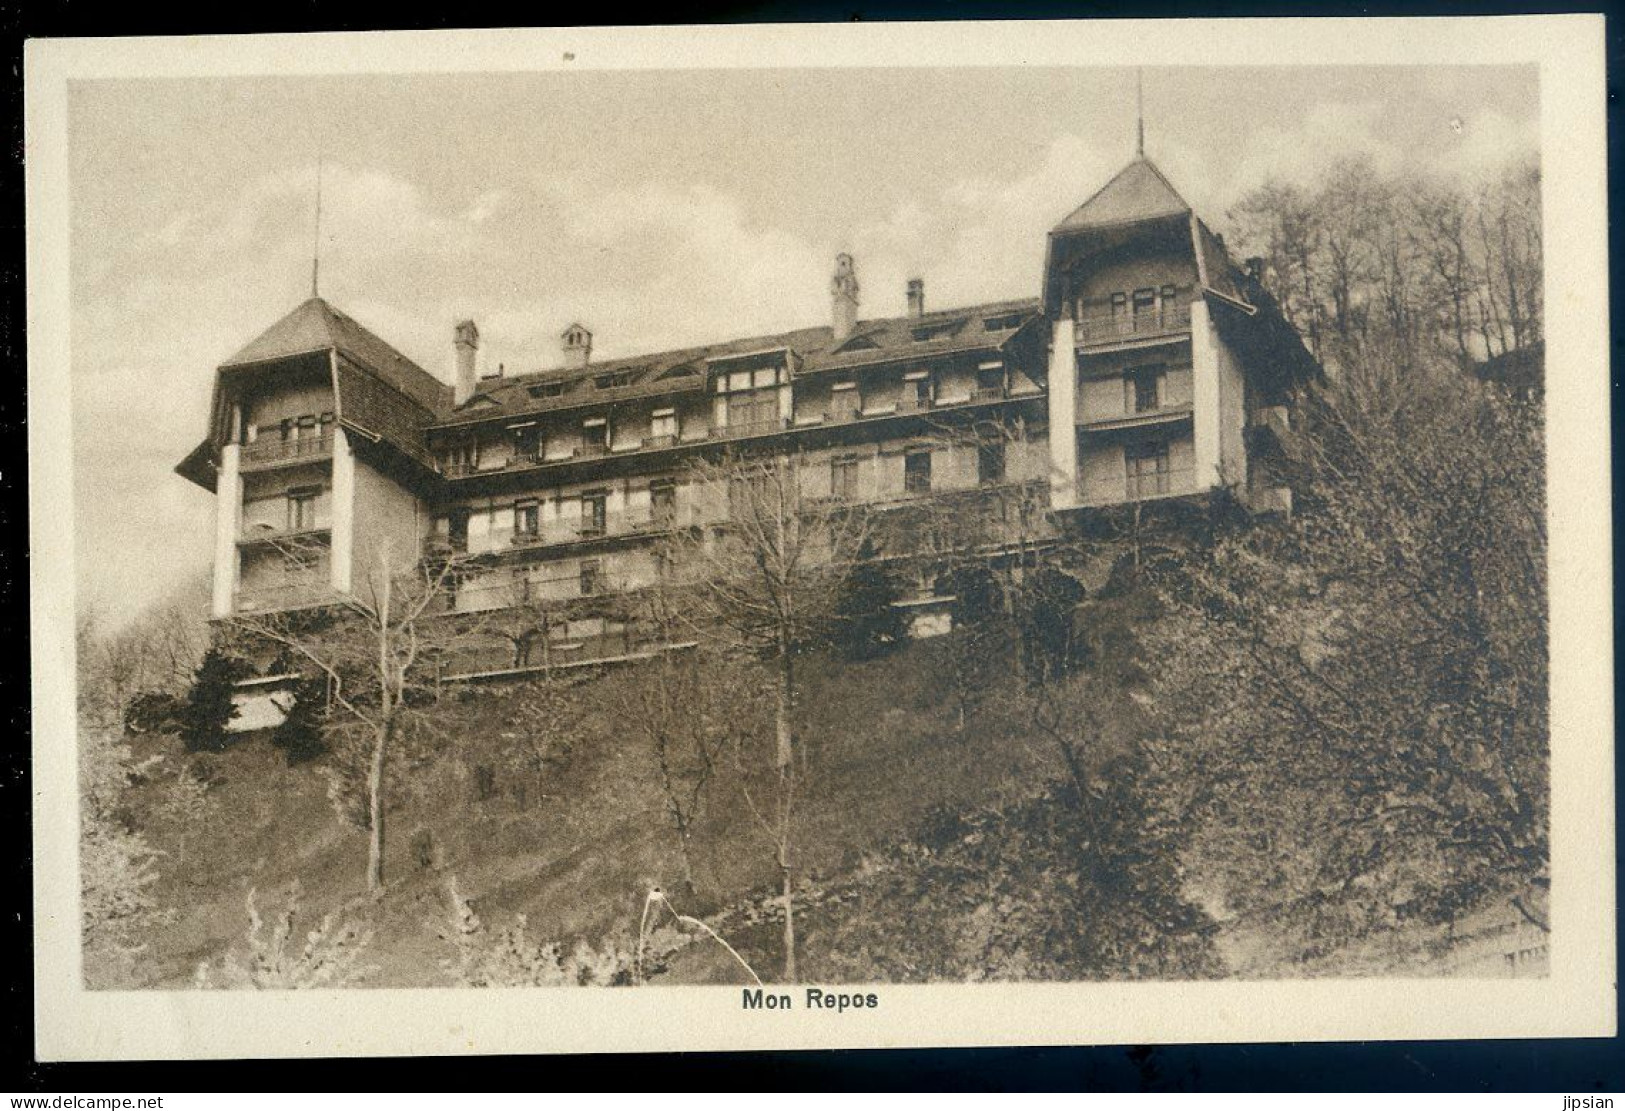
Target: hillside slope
x=577 y=855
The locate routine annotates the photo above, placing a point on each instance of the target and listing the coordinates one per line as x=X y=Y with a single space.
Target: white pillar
x=228 y=514
x=1205 y=409
x=1063 y=416
x=343 y=547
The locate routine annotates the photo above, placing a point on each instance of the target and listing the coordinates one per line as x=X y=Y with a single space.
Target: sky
x=661 y=209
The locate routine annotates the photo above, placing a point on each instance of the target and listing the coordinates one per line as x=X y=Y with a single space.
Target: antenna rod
x=1139 y=112
x=316 y=246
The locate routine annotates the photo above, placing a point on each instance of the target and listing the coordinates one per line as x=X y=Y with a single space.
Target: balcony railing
x=285 y=595
x=273 y=451
x=748 y=428
x=874 y=411
x=1103 y=331
x=570 y=532
x=1126 y=418
x=300 y=536
x=1172 y=483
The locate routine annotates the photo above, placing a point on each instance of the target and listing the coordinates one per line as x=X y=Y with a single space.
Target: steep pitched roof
x=317 y=326
x=1138 y=192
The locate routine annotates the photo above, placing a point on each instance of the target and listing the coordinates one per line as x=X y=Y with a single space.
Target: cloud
x=367 y=214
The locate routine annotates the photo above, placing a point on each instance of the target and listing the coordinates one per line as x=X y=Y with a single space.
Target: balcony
x=1161 y=414
x=292 y=594
x=291 y=539
x=1133 y=329
x=748 y=428
x=695 y=435
x=1174 y=483
x=275 y=452
x=551 y=533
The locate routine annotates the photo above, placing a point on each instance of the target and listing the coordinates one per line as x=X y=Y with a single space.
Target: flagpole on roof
x=316 y=245
x=1139 y=112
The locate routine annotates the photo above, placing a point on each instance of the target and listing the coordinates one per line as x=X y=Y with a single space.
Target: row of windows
x=844 y=485
x=751 y=401
x=1127 y=303
x=293 y=429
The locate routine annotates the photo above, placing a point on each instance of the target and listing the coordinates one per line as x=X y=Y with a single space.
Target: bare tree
x=372 y=646
x=683 y=710
x=1358 y=704
x=764 y=582
x=1401 y=268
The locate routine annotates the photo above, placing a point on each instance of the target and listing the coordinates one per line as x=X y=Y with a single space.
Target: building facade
x=1148 y=368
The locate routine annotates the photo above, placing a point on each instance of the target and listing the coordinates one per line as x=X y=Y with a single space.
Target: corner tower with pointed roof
x=1161 y=353
x=316 y=454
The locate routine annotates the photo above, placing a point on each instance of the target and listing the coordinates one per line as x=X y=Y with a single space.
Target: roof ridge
x=677 y=355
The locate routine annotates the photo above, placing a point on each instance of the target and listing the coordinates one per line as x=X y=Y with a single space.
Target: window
x=1147 y=470
x=1167 y=297
x=663 y=424
x=1002 y=323
x=302 y=508
x=592 y=577
x=925 y=333
x=595 y=434
x=593 y=515
x=663 y=501
x=757 y=408
x=917 y=393
x=613 y=381
x=1119 y=304
x=1145 y=302
x=843 y=478
x=990 y=460
x=917 y=471
x=1145 y=384
x=547 y=389
x=844 y=401
x=752 y=399
x=464 y=456
x=527 y=443
x=521 y=584
x=457 y=529
x=527 y=520
x=990 y=382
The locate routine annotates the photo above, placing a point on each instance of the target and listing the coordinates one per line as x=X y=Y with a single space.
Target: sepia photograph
x=812 y=531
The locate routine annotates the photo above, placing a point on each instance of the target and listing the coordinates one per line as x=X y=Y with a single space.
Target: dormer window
x=1002 y=323
x=928 y=332
x=547 y=389
x=613 y=381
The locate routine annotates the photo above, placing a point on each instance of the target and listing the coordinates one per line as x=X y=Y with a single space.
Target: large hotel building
x=1149 y=366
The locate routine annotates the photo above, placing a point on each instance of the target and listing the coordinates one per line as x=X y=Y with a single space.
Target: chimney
x=843 y=292
x=577 y=345
x=467 y=339
x=916 y=297
x=1255 y=268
